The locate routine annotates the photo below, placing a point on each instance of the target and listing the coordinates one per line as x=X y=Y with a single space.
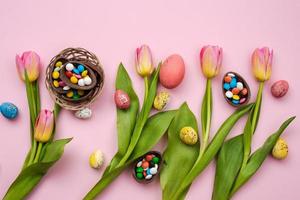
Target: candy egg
x=237 y=92
x=87 y=80
x=122 y=99
x=188 y=135
x=80 y=68
x=161 y=100
x=172 y=71
x=69 y=74
x=57 y=69
x=96 y=159
x=153 y=171
x=81 y=92
x=55 y=75
x=81 y=82
x=227 y=79
x=280 y=88
x=145 y=165
x=149 y=176
x=9 y=110
x=84 y=73
x=74 y=80
x=70 y=94
x=66 y=88
x=85 y=113
x=280 y=150
x=58 y=64
x=69 y=67
x=62 y=84
x=56 y=83
x=76 y=71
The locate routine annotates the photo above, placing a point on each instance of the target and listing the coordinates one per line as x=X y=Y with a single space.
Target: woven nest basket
x=71 y=95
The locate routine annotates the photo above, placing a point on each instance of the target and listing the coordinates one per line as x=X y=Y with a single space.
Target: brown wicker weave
x=88 y=59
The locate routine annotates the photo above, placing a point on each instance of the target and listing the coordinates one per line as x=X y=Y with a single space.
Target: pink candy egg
x=172 y=71
x=279 y=88
x=122 y=100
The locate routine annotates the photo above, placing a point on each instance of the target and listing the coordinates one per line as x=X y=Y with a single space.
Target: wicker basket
x=75 y=56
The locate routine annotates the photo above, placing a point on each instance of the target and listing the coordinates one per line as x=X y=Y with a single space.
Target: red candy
x=145 y=164
x=244 y=91
x=69 y=74
x=227 y=79
x=149 y=157
x=235 y=91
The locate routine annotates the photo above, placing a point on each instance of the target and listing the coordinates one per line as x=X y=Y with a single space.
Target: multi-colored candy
x=235 y=89
x=147 y=166
x=78 y=74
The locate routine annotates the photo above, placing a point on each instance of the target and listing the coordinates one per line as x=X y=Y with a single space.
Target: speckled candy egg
x=280 y=150
x=85 y=113
x=188 y=135
x=122 y=100
x=9 y=110
x=280 y=88
x=172 y=71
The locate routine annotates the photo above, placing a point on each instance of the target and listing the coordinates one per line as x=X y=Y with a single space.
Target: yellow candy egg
x=55 y=75
x=58 y=64
x=96 y=159
x=84 y=73
x=188 y=135
x=161 y=100
x=280 y=150
x=70 y=94
x=236 y=97
x=74 y=80
x=56 y=83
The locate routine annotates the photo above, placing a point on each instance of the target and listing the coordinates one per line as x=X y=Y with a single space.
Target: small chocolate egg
x=122 y=100
x=280 y=150
x=188 y=135
x=85 y=113
x=280 y=88
x=172 y=71
x=9 y=110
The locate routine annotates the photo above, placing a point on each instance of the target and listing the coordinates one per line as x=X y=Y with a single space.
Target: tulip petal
x=20 y=67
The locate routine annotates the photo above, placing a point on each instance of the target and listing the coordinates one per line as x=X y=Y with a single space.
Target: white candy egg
x=87 y=80
x=85 y=113
x=81 y=82
x=228 y=94
x=66 y=88
x=69 y=66
x=239 y=85
x=153 y=171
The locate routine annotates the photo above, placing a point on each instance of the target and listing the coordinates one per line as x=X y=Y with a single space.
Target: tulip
x=44 y=126
x=211 y=60
x=144 y=63
x=29 y=62
x=262 y=63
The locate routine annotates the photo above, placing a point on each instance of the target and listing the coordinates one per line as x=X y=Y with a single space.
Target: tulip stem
x=32 y=152
x=37 y=156
x=146 y=88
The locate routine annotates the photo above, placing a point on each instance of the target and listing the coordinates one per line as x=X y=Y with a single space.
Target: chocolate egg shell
x=122 y=100
x=140 y=159
x=235 y=89
x=172 y=71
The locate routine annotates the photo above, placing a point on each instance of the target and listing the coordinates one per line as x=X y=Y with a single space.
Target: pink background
x=112 y=30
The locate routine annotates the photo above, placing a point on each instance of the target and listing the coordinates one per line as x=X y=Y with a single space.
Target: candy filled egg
x=172 y=71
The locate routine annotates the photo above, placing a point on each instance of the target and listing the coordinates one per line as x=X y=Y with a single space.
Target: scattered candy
x=84 y=73
x=81 y=82
x=147 y=167
x=280 y=150
x=96 y=159
x=70 y=94
x=172 y=71
x=279 y=88
x=122 y=100
x=80 y=68
x=85 y=113
x=188 y=135
x=161 y=100
x=236 y=90
x=9 y=110
x=66 y=88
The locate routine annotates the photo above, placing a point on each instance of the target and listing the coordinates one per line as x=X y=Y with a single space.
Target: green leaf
x=212 y=149
x=154 y=129
x=142 y=117
x=258 y=157
x=126 y=119
x=178 y=153
x=31 y=175
x=229 y=162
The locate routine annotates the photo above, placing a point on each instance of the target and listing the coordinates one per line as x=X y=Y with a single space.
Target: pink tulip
x=144 y=63
x=29 y=61
x=211 y=60
x=44 y=126
x=262 y=63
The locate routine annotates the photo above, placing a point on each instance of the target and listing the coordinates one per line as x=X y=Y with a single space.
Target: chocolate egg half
x=235 y=89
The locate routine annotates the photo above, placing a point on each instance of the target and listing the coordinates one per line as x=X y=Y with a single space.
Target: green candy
x=155 y=160
x=139 y=175
x=139 y=169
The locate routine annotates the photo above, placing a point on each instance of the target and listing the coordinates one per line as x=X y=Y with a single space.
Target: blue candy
x=9 y=110
x=233 y=83
x=80 y=68
x=148 y=171
x=235 y=102
x=76 y=71
x=226 y=86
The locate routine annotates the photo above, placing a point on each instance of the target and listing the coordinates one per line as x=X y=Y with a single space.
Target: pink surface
x=112 y=30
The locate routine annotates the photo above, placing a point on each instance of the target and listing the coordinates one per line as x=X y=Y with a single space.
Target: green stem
x=37 y=156
x=206 y=112
x=32 y=152
x=146 y=88
x=257 y=107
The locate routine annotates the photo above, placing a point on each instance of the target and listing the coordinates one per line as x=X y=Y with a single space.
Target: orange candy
x=244 y=91
x=145 y=164
x=149 y=157
x=227 y=79
x=235 y=91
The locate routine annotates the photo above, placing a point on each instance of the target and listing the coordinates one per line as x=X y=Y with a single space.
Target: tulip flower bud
x=262 y=63
x=44 y=126
x=29 y=62
x=211 y=60
x=144 y=63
